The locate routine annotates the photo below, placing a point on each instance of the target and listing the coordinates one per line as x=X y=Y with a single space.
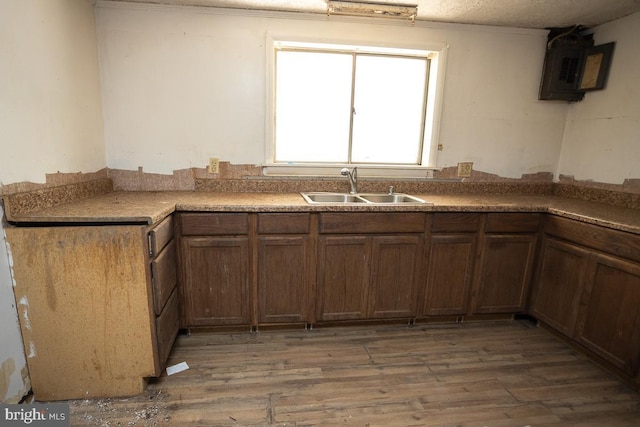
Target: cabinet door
x=342 y=277
x=610 y=320
x=505 y=273
x=283 y=279
x=394 y=272
x=215 y=284
x=449 y=274
x=559 y=285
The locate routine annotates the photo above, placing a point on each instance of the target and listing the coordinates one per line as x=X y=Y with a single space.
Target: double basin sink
x=362 y=198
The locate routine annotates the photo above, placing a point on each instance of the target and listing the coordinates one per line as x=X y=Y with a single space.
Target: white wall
x=50 y=120
x=180 y=85
x=50 y=108
x=602 y=137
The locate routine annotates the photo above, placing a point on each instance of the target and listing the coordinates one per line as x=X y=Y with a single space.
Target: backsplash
x=46 y=197
x=62 y=188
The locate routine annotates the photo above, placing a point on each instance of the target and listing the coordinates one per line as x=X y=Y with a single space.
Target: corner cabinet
x=588 y=288
x=94 y=320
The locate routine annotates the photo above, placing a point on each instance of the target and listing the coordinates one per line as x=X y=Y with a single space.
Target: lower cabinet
x=479 y=263
x=395 y=270
x=215 y=284
x=164 y=280
x=451 y=258
x=250 y=269
x=449 y=274
x=285 y=258
x=214 y=268
x=364 y=277
x=609 y=324
x=284 y=279
x=372 y=275
x=556 y=297
x=507 y=256
x=343 y=277
x=588 y=288
x=99 y=306
x=246 y=269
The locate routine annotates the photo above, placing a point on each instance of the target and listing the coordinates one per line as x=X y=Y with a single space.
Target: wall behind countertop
x=602 y=136
x=183 y=84
x=50 y=109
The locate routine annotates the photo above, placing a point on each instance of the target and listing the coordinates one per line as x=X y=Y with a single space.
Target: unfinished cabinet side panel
x=83 y=296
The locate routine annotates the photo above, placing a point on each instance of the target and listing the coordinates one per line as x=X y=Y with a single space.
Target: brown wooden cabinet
x=450 y=265
x=556 y=297
x=507 y=255
x=162 y=252
x=395 y=270
x=216 y=288
x=588 y=288
x=609 y=323
x=214 y=269
x=449 y=274
x=99 y=303
x=372 y=275
x=343 y=278
x=285 y=256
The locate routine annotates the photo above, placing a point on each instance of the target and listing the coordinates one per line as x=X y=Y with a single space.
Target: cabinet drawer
x=160 y=236
x=455 y=222
x=163 y=269
x=214 y=224
x=167 y=326
x=379 y=222
x=283 y=223
x=512 y=223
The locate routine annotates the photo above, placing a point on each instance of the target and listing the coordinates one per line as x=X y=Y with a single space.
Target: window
x=352 y=105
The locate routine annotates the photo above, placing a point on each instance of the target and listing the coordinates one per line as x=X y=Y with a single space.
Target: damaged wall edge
x=14 y=374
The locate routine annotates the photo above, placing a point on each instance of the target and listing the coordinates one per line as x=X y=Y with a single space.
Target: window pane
x=313 y=103
x=389 y=100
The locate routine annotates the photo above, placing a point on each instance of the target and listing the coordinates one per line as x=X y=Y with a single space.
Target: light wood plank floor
x=507 y=373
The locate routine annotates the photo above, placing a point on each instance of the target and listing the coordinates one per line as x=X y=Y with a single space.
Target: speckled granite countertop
x=151 y=207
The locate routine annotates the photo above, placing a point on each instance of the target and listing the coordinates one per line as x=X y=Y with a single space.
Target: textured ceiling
x=508 y=13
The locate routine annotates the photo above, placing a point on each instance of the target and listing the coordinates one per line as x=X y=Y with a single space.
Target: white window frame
x=437 y=55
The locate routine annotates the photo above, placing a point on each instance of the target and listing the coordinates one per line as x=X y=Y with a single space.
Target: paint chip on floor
x=182 y=366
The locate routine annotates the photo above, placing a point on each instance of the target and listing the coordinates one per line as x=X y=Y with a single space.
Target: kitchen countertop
x=151 y=207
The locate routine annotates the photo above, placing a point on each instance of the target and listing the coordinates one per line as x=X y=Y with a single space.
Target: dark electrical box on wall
x=573 y=65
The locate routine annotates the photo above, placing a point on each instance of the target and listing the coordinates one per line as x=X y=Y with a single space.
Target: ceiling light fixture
x=386 y=10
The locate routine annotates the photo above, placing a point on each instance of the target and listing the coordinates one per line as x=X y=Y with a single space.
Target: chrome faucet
x=353 y=178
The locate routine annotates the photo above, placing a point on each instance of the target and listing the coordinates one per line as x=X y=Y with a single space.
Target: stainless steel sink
x=391 y=198
x=333 y=198
x=361 y=198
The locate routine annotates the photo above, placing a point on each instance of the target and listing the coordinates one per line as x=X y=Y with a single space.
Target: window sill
x=364 y=171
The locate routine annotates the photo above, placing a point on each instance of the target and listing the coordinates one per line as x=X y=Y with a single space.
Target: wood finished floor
x=507 y=373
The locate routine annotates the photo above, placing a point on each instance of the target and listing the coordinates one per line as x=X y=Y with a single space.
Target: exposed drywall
x=50 y=109
x=183 y=84
x=601 y=140
x=14 y=383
